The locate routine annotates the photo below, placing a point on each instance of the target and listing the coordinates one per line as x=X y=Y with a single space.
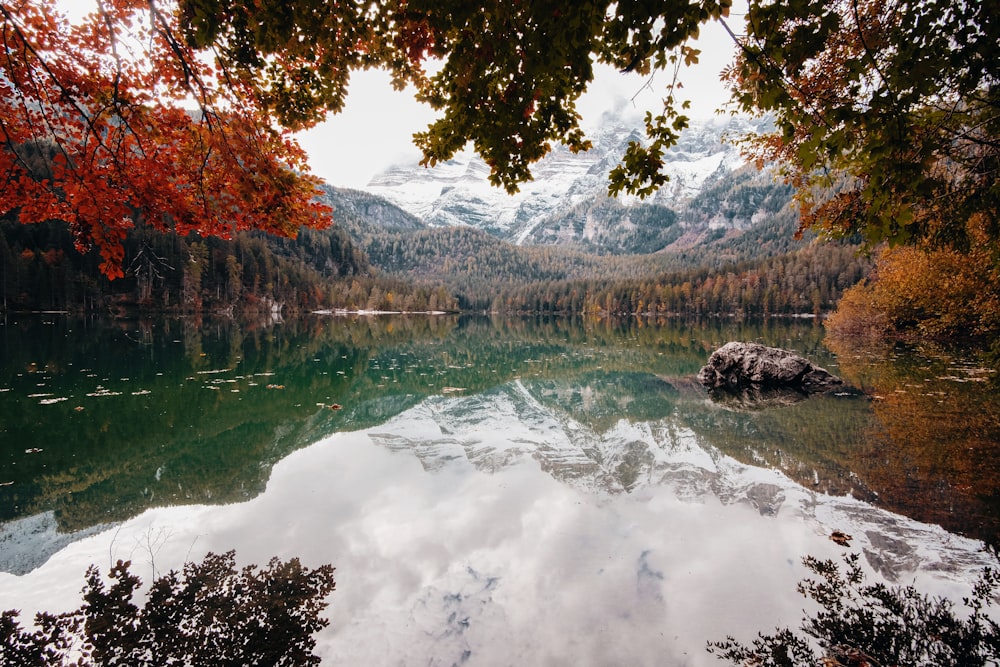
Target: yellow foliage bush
x=932 y=293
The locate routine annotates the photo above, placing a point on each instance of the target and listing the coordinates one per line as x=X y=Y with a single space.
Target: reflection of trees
x=933 y=452
x=207 y=428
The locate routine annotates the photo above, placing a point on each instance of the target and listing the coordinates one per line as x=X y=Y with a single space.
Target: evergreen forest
x=362 y=264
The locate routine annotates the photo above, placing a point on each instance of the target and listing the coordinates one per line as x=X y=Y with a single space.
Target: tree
x=887 y=113
x=94 y=128
x=94 y=131
x=510 y=73
x=931 y=293
x=210 y=613
x=866 y=625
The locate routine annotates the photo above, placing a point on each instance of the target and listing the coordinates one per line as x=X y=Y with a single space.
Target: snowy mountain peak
x=458 y=192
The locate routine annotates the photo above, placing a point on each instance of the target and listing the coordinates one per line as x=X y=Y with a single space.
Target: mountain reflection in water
x=504 y=490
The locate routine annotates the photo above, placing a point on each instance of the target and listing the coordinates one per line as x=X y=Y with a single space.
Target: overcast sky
x=376 y=127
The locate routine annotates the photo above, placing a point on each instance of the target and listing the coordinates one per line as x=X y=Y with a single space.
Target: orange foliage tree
x=94 y=131
x=927 y=292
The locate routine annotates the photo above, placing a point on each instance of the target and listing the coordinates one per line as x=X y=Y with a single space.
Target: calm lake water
x=491 y=491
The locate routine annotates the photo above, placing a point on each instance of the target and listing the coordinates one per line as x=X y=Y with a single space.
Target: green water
x=100 y=420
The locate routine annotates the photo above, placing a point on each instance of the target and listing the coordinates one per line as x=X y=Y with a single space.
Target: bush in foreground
x=875 y=625
x=210 y=613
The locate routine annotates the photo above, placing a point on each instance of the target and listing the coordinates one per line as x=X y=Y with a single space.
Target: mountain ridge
x=566 y=203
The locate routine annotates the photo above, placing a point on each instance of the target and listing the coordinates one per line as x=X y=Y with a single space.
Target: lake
x=490 y=490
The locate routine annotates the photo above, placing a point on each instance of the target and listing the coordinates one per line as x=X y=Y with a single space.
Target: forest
x=412 y=271
x=166 y=273
x=808 y=281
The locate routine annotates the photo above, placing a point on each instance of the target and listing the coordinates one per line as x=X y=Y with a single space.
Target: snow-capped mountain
x=459 y=193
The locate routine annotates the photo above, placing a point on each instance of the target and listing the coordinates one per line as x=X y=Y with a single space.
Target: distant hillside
x=359 y=213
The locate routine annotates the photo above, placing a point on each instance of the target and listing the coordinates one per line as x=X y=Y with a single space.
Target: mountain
x=564 y=236
x=358 y=212
x=566 y=204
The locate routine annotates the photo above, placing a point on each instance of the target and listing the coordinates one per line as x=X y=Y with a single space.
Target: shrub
x=210 y=613
x=874 y=625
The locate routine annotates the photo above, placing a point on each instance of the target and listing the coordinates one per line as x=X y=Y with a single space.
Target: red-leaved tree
x=114 y=120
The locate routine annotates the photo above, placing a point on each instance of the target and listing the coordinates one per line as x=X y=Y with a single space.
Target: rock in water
x=736 y=366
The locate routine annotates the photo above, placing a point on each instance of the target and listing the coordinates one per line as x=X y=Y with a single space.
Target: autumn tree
x=117 y=120
x=928 y=292
x=887 y=113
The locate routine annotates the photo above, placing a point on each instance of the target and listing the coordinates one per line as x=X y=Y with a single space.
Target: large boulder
x=738 y=366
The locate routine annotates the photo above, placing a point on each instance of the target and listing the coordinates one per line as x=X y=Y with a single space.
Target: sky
x=376 y=127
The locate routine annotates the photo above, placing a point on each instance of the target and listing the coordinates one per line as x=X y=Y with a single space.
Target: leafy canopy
x=887 y=113
x=96 y=126
x=507 y=73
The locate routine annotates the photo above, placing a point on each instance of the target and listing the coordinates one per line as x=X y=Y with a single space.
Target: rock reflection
x=752 y=398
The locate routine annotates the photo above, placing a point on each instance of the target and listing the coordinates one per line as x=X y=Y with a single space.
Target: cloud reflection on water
x=440 y=562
